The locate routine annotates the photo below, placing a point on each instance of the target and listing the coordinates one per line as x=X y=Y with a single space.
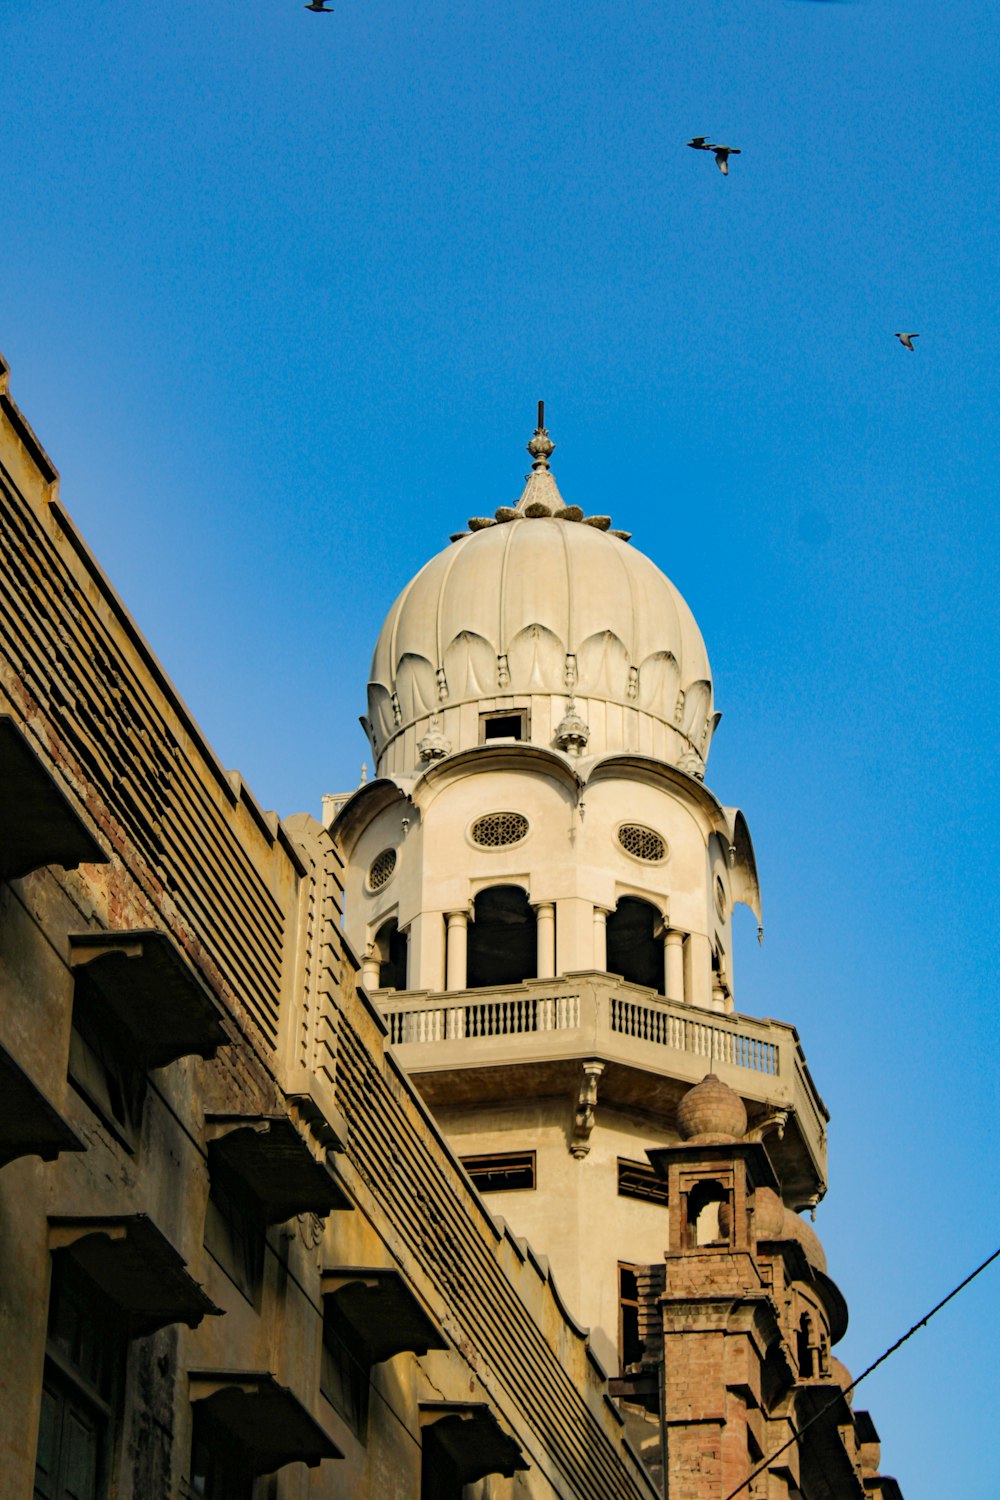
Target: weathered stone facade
x=237 y=1257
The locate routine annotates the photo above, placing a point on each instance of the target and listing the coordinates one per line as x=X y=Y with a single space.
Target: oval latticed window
x=381 y=869
x=497 y=830
x=642 y=843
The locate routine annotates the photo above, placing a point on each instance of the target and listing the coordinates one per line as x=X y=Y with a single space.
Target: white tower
x=542 y=888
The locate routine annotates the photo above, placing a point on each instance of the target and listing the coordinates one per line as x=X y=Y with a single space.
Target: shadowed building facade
x=238 y=1259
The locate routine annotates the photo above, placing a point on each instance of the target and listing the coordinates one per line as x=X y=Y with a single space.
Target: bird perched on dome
x=906 y=339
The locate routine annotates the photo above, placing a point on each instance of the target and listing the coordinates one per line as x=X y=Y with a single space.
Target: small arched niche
x=703 y=1204
x=635 y=951
x=502 y=943
x=391 y=947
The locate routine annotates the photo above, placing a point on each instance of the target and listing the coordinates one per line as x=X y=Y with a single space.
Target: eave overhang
x=760 y=1172
x=29 y=1124
x=469 y=1437
x=265 y=1421
x=382 y=1310
x=38 y=823
x=153 y=992
x=136 y=1267
x=361 y=807
x=274 y=1162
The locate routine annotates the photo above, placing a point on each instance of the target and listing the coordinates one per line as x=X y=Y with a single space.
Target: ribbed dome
x=543 y=602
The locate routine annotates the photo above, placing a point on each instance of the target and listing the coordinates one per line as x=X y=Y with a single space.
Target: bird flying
x=906 y=339
x=722 y=155
x=319 y=7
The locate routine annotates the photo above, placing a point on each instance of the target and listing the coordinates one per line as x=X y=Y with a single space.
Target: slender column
x=698 y=978
x=369 y=970
x=458 y=949
x=673 y=958
x=600 y=939
x=545 y=936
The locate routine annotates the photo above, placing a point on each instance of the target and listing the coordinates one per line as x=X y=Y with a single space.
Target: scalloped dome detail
x=541 y=604
x=710 y=1113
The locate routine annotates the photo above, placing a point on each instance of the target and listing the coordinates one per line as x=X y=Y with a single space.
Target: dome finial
x=541 y=446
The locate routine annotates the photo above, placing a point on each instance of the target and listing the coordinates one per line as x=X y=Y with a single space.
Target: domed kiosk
x=541 y=886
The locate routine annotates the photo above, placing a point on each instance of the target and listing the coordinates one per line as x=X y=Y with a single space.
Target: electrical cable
x=863 y=1376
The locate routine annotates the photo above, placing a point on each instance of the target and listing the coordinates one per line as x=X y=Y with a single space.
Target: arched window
x=391 y=952
x=502 y=943
x=703 y=1204
x=635 y=943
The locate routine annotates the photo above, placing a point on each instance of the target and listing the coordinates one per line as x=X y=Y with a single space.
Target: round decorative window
x=381 y=869
x=498 y=829
x=641 y=843
x=721 y=903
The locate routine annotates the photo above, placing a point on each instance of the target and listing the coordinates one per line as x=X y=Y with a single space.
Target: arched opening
x=391 y=952
x=635 y=943
x=703 y=1204
x=502 y=943
x=804 y=1350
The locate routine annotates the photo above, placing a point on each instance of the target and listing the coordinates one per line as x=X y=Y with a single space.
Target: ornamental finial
x=541 y=446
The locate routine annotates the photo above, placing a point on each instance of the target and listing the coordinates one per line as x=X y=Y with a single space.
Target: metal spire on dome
x=540 y=497
x=541 y=446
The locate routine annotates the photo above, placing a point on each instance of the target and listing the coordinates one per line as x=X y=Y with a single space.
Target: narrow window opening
x=81 y=1386
x=392 y=951
x=635 y=943
x=102 y=1065
x=804 y=1353
x=629 y=1343
x=506 y=1172
x=345 y=1371
x=234 y=1232
x=219 y=1470
x=502 y=942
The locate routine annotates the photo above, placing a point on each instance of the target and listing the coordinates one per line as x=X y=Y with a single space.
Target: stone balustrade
x=594 y=1015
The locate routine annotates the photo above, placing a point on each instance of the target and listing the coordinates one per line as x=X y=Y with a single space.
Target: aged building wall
x=237 y=1258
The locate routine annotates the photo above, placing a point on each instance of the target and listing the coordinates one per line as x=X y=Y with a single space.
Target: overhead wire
x=846 y=1390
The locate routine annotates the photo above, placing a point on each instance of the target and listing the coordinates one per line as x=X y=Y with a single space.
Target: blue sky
x=279 y=294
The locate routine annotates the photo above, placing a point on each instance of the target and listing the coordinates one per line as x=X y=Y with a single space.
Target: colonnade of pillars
x=457 y=949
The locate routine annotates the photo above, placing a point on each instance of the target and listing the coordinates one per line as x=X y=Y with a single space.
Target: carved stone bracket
x=775 y=1120
x=586 y=1109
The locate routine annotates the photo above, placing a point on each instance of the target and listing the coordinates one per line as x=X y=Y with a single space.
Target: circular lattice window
x=381 y=870
x=641 y=843
x=496 y=830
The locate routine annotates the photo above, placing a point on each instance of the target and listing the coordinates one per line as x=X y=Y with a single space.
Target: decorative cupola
x=540 y=624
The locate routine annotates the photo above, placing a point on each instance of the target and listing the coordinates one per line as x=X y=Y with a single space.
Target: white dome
x=542 y=604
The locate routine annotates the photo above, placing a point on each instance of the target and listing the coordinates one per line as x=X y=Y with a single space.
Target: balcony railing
x=662 y=1023
x=595 y=1015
